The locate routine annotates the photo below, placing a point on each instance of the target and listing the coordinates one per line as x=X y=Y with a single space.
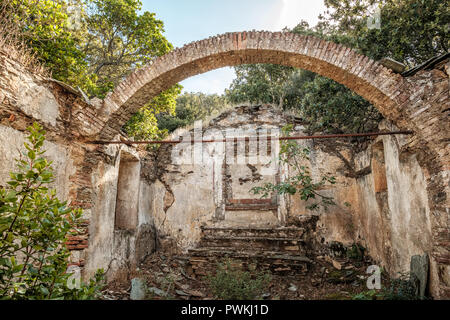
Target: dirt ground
x=169 y=277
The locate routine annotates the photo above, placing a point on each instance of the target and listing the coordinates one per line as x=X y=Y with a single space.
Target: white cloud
x=292 y=11
x=283 y=13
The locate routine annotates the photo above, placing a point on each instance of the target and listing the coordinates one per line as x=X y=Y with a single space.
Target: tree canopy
x=119 y=39
x=45 y=27
x=191 y=107
x=143 y=125
x=94 y=44
x=411 y=31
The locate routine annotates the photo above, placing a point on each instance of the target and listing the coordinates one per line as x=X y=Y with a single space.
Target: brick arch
x=366 y=77
x=419 y=103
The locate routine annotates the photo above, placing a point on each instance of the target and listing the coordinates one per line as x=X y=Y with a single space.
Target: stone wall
x=394 y=202
x=380 y=193
x=87 y=174
x=26 y=98
x=184 y=196
x=419 y=103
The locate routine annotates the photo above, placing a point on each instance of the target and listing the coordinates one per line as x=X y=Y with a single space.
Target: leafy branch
x=34 y=225
x=300 y=182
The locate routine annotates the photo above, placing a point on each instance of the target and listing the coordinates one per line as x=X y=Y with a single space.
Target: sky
x=191 y=20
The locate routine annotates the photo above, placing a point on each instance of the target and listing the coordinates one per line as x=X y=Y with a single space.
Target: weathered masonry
x=111 y=182
x=372 y=207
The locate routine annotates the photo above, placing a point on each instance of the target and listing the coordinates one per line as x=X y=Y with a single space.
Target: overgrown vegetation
x=34 y=225
x=401 y=288
x=411 y=31
x=155 y=123
x=230 y=282
x=191 y=107
x=300 y=182
x=143 y=125
x=90 y=44
x=12 y=42
x=94 y=44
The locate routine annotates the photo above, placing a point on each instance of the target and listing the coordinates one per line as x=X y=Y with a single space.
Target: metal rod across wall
x=328 y=136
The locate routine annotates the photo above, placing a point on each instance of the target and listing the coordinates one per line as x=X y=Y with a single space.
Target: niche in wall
x=379 y=168
x=126 y=215
x=383 y=218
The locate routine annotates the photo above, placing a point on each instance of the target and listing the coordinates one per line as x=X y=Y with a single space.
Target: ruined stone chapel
x=392 y=196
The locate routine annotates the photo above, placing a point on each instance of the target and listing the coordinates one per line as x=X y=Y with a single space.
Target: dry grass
x=12 y=40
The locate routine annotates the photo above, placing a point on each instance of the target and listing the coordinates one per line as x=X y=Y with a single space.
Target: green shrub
x=232 y=283
x=300 y=182
x=34 y=225
x=369 y=295
x=356 y=252
x=401 y=288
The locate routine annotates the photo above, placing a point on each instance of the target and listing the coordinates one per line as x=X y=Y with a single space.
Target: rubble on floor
x=169 y=277
x=300 y=268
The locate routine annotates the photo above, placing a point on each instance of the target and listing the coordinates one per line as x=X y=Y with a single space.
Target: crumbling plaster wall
x=117 y=249
x=333 y=159
x=380 y=194
x=85 y=174
x=11 y=147
x=26 y=98
x=380 y=203
x=182 y=203
x=399 y=212
x=184 y=197
x=71 y=120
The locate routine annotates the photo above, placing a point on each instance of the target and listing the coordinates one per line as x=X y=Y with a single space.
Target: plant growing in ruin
x=300 y=182
x=231 y=283
x=34 y=224
x=400 y=288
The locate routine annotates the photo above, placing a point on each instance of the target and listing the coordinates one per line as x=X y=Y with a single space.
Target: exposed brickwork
x=77 y=242
x=281 y=250
x=419 y=103
x=250 y=201
x=362 y=75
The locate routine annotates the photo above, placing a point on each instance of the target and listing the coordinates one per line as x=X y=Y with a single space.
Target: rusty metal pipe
x=328 y=136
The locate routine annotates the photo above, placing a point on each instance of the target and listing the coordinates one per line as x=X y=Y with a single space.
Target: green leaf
x=31 y=154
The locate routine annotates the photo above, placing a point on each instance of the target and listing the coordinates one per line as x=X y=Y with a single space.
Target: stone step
x=251 y=207
x=267 y=254
x=249 y=217
x=278 y=249
x=206 y=258
x=257 y=232
x=283 y=244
